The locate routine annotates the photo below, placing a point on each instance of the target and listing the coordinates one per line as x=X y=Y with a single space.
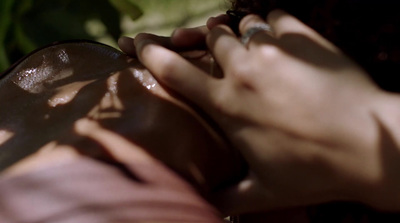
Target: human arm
x=311 y=124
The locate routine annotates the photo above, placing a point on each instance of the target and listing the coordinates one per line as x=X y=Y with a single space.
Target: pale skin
x=309 y=121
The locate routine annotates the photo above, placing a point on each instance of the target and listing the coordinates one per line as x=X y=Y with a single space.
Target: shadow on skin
x=333 y=212
x=111 y=94
x=96 y=82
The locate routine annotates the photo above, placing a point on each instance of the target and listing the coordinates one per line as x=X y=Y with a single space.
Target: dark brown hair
x=366 y=30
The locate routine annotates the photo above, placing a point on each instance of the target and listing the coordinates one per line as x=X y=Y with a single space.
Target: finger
x=190 y=38
x=120 y=149
x=218 y=20
x=225 y=47
x=127 y=45
x=177 y=73
x=124 y=152
x=159 y=40
x=255 y=31
x=284 y=24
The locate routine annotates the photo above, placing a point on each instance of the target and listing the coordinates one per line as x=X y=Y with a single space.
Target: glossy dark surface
x=43 y=96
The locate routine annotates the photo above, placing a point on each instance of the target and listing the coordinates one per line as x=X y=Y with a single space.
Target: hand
x=181 y=39
x=300 y=111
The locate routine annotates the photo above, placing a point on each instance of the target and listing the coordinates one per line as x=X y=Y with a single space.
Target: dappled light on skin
x=109 y=100
x=41 y=71
x=147 y=81
x=5 y=135
x=118 y=147
x=51 y=155
x=52 y=85
x=110 y=105
x=67 y=93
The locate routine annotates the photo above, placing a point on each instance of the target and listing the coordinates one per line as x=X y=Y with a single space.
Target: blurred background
x=26 y=25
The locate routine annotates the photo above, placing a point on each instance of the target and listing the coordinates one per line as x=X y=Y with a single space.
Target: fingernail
x=217 y=20
x=176 y=35
x=176 y=31
x=141 y=43
x=221 y=17
x=124 y=40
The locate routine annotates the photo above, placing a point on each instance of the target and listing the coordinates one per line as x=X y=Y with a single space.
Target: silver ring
x=260 y=27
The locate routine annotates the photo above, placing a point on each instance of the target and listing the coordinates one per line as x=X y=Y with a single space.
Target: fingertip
x=142 y=45
x=142 y=36
x=217 y=20
x=219 y=29
x=217 y=32
x=126 y=44
x=177 y=35
x=142 y=40
x=158 y=59
x=189 y=37
x=84 y=126
x=123 y=40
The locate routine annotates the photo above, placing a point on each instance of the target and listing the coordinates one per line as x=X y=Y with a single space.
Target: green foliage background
x=26 y=25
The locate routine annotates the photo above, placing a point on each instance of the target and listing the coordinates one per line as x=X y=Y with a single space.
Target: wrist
x=380 y=190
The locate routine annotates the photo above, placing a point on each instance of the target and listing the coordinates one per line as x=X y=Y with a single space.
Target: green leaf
x=5 y=17
x=4 y=62
x=24 y=43
x=5 y=22
x=110 y=17
x=23 y=7
x=127 y=7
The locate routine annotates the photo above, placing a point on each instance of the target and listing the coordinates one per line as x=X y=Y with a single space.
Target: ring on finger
x=260 y=27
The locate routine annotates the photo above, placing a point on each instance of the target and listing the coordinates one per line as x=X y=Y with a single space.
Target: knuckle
x=243 y=74
x=246 y=73
x=220 y=100
x=239 y=72
x=225 y=103
x=270 y=52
